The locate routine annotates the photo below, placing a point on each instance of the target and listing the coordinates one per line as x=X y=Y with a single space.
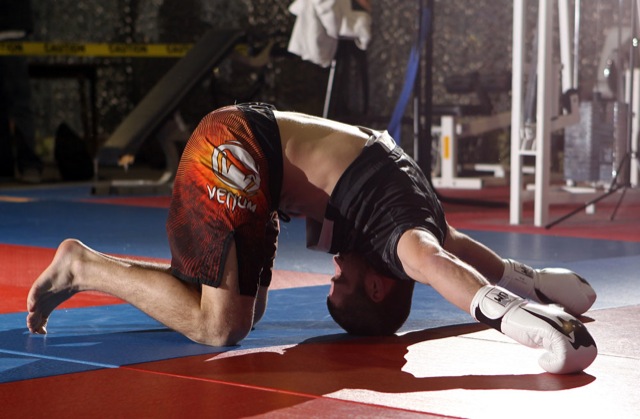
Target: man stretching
x=247 y=166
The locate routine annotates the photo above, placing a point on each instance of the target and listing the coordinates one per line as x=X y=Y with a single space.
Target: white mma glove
x=548 y=286
x=569 y=347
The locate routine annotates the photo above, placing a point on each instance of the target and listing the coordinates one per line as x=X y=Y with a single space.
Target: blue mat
x=111 y=336
x=85 y=339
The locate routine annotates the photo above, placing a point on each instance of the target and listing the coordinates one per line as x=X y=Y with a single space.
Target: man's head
x=364 y=302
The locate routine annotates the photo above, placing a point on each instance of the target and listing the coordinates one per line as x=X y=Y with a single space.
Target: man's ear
x=377 y=286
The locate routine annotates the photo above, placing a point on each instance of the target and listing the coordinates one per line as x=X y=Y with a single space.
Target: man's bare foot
x=55 y=285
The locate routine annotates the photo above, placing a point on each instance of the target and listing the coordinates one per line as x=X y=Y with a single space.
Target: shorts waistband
x=265 y=128
x=379 y=137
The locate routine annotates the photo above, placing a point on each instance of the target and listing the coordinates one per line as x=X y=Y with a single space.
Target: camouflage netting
x=468 y=37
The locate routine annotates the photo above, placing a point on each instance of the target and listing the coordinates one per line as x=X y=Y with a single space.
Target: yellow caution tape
x=94 y=49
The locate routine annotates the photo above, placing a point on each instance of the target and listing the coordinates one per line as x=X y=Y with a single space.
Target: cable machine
x=532 y=126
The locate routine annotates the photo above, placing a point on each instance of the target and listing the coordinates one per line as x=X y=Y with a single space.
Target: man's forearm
x=427 y=262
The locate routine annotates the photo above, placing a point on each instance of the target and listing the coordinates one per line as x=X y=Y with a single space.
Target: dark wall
x=468 y=36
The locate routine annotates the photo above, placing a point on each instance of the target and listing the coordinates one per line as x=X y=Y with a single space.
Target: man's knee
x=226 y=334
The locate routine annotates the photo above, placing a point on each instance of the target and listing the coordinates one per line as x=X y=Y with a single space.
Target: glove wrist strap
x=491 y=304
x=518 y=278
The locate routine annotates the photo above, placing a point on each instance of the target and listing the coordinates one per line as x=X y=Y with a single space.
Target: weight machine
x=616 y=117
x=531 y=128
x=459 y=122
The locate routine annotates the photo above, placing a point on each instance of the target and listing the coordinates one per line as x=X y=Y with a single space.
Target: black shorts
x=381 y=195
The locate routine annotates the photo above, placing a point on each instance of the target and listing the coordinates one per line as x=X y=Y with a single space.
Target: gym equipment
x=154 y=111
x=531 y=126
x=465 y=121
x=624 y=126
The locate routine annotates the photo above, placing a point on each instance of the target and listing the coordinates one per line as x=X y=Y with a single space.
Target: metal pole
x=543 y=113
x=517 y=117
x=576 y=42
x=425 y=95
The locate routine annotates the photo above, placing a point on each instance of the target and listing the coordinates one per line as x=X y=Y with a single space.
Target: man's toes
x=36 y=323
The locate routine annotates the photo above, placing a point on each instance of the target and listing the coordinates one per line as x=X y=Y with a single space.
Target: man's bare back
x=316 y=152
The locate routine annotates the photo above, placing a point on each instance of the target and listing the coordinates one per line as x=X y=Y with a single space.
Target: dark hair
x=360 y=315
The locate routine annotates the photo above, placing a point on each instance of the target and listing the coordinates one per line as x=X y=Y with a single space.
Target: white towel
x=320 y=23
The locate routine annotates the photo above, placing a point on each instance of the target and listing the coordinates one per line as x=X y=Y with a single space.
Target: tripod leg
x=615 y=210
x=577 y=210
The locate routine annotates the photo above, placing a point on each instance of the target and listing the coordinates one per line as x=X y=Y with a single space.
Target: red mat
x=458 y=371
x=624 y=227
x=125 y=393
x=21 y=265
x=145 y=201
